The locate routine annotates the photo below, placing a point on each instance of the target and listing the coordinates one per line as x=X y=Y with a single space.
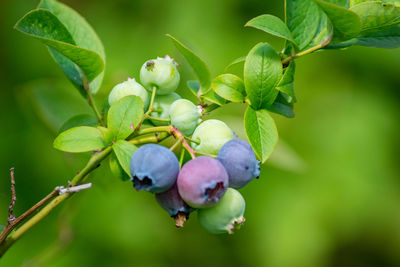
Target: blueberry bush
x=206 y=165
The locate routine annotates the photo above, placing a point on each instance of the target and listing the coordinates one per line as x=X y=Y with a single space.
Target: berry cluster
x=208 y=182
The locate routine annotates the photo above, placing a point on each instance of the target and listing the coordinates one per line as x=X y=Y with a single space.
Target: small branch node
x=62 y=190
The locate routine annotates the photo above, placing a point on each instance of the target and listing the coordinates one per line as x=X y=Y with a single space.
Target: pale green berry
x=185 y=116
x=161 y=105
x=161 y=73
x=212 y=135
x=129 y=87
x=226 y=216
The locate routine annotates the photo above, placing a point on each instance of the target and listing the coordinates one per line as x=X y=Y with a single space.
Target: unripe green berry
x=226 y=216
x=212 y=135
x=185 y=116
x=129 y=87
x=161 y=73
x=161 y=105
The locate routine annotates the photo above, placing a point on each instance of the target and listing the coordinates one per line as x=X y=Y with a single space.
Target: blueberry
x=172 y=202
x=129 y=87
x=212 y=135
x=185 y=116
x=153 y=168
x=226 y=216
x=202 y=182
x=161 y=73
x=240 y=162
x=162 y=104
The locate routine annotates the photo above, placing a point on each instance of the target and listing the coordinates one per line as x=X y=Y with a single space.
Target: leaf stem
x=192 y=140
x=91 y=100
x=205 y=154
x=156 y=138
x=185 y=144
x=175 y=145
x=149 y=110
x=158 y=119
x=182 y=156
x=209 y=108
x=154 y=130
x=308 y=51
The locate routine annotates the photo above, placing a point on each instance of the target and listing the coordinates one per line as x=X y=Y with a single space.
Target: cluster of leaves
x=265 y=86
x=267 y=82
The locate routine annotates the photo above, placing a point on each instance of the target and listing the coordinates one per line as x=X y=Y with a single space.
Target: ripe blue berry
x=240 y=162
x=161 y=73
x=226 y=216
x=172 y=202
x=129 y=87
x=153 y=168
x=185 y=116
x=212 y=135
x=202 y=182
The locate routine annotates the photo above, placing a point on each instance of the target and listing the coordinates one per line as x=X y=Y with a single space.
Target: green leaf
x=124 y=151
x=342 y=45
x=324 y=33
x=212 y=97
x=1 y=228
x=80 y=139
x=342 y=3
x=281 y=106
x=355 y=2
x=272 y=25
x=194 y=87
x=106 y=134
x=285 y=85
x=236 y=62
x=116 y=168
x=302 y=19
x=124 y=115
x=262 y=72
x=230 y=87
x=43 y=25
x=377 y=15
x=261 y=132
x=84 y=36
x=79 y=120
x=281 y=109
x=389 y=38
x=346 y=23
x=200 y=68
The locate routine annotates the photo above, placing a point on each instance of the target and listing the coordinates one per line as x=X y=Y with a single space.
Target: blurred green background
x=329 y=195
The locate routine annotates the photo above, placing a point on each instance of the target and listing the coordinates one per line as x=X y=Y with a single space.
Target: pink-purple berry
x=202 y=182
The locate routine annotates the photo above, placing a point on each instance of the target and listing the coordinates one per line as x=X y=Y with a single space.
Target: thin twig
x=11 y=225
x=156 y=138
x=205 y=154
x=308 y=51
x=54 y=199
x=185 y=144
x=192 y=140
x=91 y=100
x=11 y=216
x=150 y=109
x=176 y=144
x=182 y=157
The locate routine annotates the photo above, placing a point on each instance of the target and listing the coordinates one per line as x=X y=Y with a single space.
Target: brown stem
x=175 y=132
x=11 y=216
x=13 y=224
